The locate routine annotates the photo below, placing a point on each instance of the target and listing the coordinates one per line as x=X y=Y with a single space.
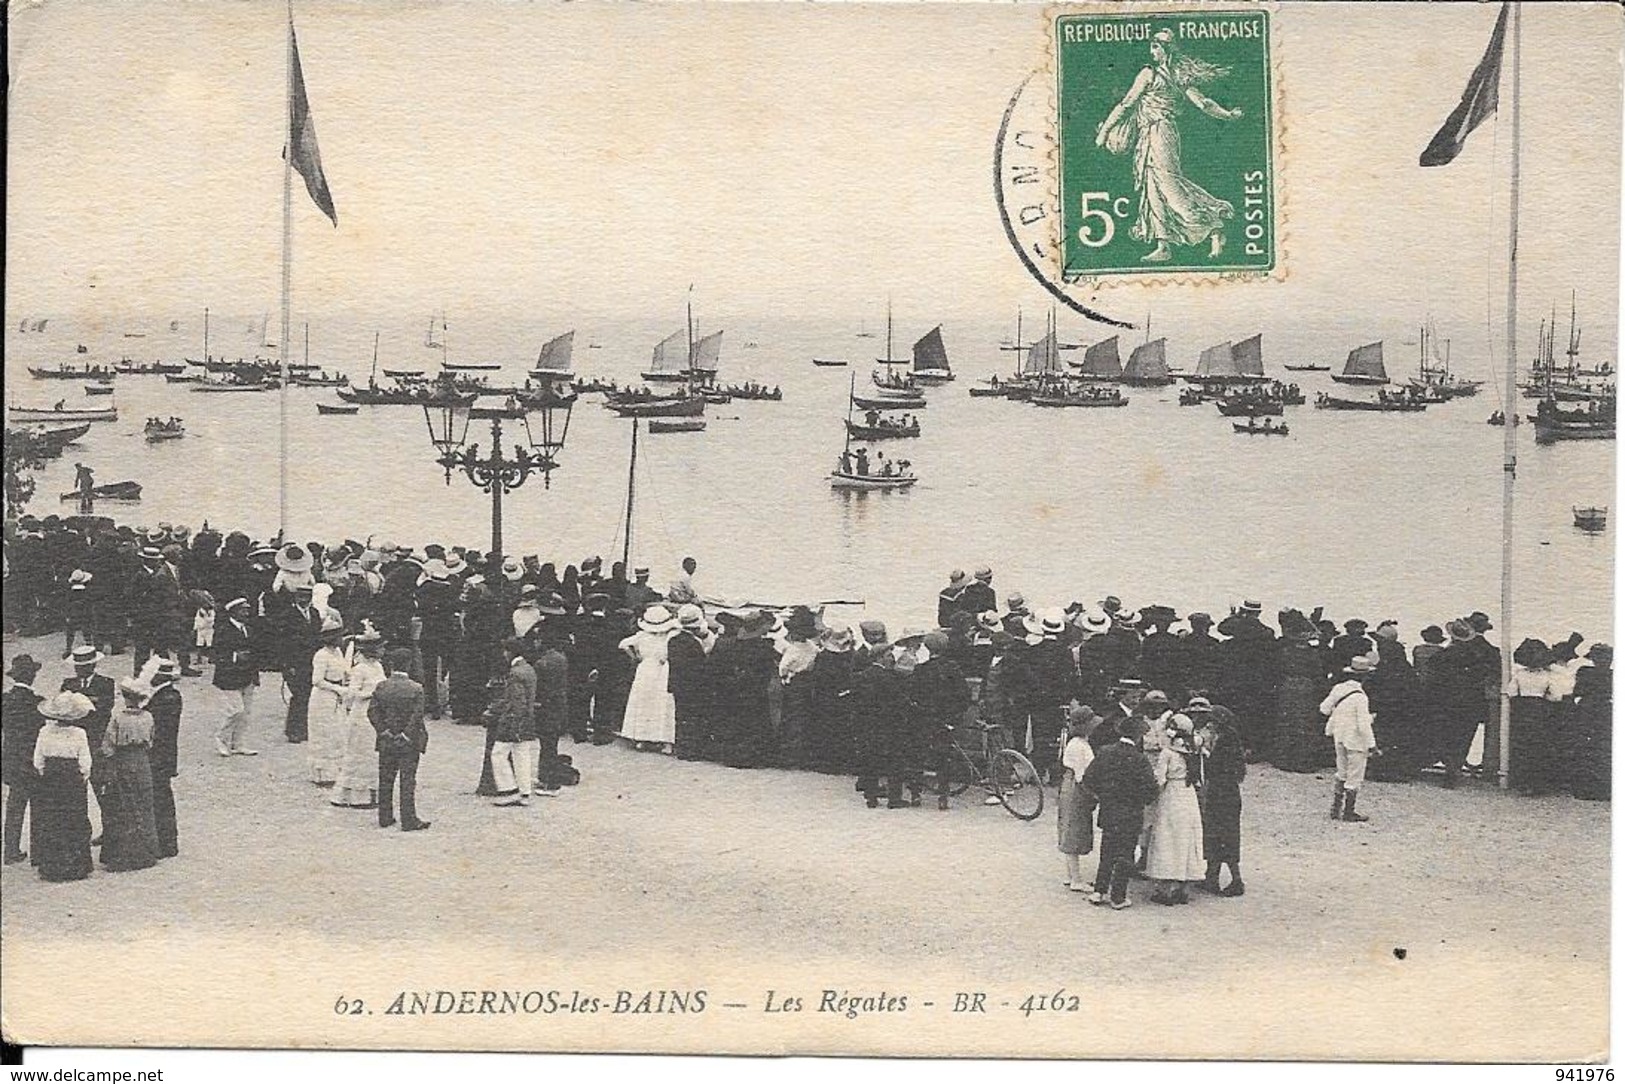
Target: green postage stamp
x=1166 y=143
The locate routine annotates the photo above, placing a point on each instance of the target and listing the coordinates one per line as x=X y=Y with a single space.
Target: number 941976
x=1584 y=1075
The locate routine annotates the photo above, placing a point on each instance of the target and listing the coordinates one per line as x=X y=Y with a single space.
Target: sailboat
x=1437 y=377
x=309 y=376
x=864 y=332
x=853 y=470
x=429 y=341
x=450 y=366
x=890 y=385
x=553 y=362
x=1148 y=365
x=1364 y=366
x=1231 y=363
x=1100 y=362
x=669 y=363
x=931 y=359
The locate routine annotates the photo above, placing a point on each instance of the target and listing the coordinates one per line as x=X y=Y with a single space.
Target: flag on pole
x=1478 y=101
x=307 y=157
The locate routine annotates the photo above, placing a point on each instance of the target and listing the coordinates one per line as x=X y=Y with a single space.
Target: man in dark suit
x=101 y=690
x=687 y=679
x=165 y=708
x=1121 y=778
x=396 y=713
x=21 y=720
x=298 y=632
x=438 y=606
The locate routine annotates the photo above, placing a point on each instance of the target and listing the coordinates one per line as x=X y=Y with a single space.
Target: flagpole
x=287 y=285
x=1509 y=453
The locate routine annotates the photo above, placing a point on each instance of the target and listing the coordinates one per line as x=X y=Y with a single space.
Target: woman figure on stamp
x=1173 y=209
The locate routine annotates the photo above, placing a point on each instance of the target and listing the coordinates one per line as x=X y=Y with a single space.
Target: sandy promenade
x=656 y=874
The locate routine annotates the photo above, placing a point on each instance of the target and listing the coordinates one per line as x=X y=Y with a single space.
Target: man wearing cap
x=165 y=706
x=296 y=631
x=950 y=598
x=940 y=697
x=20 y=723
x=1348 y=724
x=978 y=595
x=236 y=673
x=101 y=690
x=437 y=607
x=396 y=713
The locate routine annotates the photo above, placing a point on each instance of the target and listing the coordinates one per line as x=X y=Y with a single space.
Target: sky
x=793 y=161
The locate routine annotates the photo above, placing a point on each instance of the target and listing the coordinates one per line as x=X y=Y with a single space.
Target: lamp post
x=498 y=472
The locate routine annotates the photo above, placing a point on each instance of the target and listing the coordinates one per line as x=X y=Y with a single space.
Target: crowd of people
x=370 y=639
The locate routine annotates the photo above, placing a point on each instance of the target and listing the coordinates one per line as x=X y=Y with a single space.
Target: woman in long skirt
x=329 y=724
x=59 y=806
x=129 y=827
x=1175 y=853
x=357 y=786
x=1076 y=824
x=651 y=713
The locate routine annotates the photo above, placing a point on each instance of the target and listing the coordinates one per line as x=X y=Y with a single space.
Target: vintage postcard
x=1003 y=530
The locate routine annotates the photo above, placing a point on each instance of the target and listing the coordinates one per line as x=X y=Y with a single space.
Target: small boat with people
x=1591 y=520
x=50 y=443
x=1307 y=367
x=587 y=385
x=183 y=378
x=152 y=368
x=830 y=363
x=876 y=402
x=752 y=391
x=72 y=372
x=1594 y=421
x=321 y=379
x=878 y=426
x=158 y=430
x=61 y=412
x=404 y=374
x=856 y=470
x=1230 y=363
x=1434 y=378
x=644 y=404
x=337 y=408
x=1071 y=393
x=233 y=384
x=1268 y=428
x=1391 y=402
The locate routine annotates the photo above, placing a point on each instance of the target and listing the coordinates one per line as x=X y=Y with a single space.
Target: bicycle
x=1002 y=772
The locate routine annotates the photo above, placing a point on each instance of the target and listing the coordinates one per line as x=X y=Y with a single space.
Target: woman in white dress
x=1175 y=853
x=651 y=713
x=329 y=723
x=357 y=786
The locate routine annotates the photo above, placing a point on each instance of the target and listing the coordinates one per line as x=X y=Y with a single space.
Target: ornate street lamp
x=499 y=472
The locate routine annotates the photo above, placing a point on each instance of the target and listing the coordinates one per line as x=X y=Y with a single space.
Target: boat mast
x=1574 y=342
x=631 y=489
x=888 y=330
x=373 y=379
x=205 y=333
x=851 y=401
x=1509 y=452
x=690 y=337
x=287 y=291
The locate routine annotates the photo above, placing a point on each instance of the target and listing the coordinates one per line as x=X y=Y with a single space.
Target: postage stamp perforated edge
x=1047 y=79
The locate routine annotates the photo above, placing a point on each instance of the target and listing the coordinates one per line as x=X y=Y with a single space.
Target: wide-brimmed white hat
x=293 y=558
x=85 y=655
x=67 y=707
x=657 y=619
x=1034 y=630
x=1095 y=621
x=691 y=616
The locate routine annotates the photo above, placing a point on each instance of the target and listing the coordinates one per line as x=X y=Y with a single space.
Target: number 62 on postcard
x=1166 y=143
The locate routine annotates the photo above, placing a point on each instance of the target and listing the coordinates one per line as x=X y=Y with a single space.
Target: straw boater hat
x=984 y=574
x=1360 y=664
x=657 y=619
x=988 y=621
x=455 y=565
x=1252 y=606
x=1034 y=630
x=86 y=655
x=1053 y=624
x=168 y=671
x=512 y=569
x=691 y=617
x=1095 y=621
x=67 y=707
x=874 y=632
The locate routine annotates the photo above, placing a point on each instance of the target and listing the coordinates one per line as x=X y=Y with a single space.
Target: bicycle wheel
x=1017 y=785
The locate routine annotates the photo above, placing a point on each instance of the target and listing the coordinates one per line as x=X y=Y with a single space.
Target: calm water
x=1371 y=515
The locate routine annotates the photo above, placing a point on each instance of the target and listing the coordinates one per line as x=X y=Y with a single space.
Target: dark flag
x=1478 y=101
x=307 y=157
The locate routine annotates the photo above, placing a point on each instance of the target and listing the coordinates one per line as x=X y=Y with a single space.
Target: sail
x=707 y=352
x=1247 y=356
x=671 y=353
x=41 y=325
x=1043 y=356
x=1148 y=362
x=1216 y=361
x=929 y=353
x=1366 y=361
x=1101 y=360
x=555 y=355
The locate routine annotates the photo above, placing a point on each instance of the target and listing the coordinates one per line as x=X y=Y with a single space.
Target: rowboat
x=1250 y=407
x=69 y=372
x=1395 y=404
x=1266 y=430
x=337 y=408
x=53 y=414
x=113 y=491
x=403 y=374
x=1068 y=399
x=843 y=480
x=1307 y=368
x=158 y=436
x=828 y=363
x=98 y=389
x=861 y=431
x=1591 y=519
x=852 y=468
x=866 y=402
x=676 y=425
x=221 y=386
x=989 y=392
x=680 y=406
x=184 y=378
x=156 y=368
